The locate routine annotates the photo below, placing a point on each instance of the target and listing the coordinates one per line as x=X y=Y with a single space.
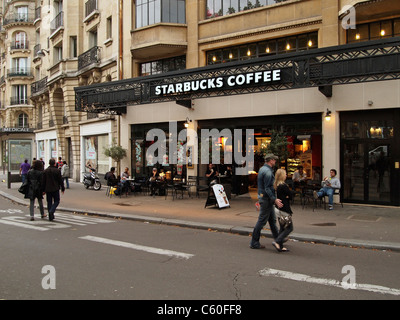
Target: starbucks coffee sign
x=223 y=82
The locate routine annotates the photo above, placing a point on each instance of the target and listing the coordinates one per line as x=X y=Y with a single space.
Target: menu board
x=220 y=195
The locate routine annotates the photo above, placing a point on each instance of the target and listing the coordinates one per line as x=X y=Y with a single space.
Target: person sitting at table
x=299 y=176
x=153 y=180
x=211 y=173
x=111 y=178
x=162 y=174
x=329 y=184
x=124 y=180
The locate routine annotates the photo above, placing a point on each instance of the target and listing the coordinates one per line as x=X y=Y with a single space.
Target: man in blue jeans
x=328 y=188
x=52 y=183
x=267 y=199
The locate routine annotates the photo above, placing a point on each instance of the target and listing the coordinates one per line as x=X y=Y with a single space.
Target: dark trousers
x=53 y=200
x=267 y=214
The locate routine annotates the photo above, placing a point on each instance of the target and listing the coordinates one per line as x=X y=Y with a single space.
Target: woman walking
x=35 y=190
x=285 y=213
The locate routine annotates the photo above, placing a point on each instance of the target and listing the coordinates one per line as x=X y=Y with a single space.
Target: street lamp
x=328 y=115
x=41 y=52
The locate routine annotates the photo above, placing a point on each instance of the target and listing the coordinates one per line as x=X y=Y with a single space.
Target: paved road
x=85 y=257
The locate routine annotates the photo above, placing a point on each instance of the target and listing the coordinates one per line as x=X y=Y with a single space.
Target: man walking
x=23 y=170
x=267 y=200
x=52 y=182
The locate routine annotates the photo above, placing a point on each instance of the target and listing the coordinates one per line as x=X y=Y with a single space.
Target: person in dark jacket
x=285 y=195
x=52 y=183
x=267 y=200
x=35 y=191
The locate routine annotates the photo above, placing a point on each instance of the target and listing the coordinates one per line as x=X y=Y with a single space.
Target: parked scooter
x=91 y=179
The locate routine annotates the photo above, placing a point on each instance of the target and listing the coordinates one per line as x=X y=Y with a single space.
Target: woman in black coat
x=285 y=195
x=35 y=190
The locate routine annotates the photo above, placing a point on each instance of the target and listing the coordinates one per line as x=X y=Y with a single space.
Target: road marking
x=22 y=225
x=327 y=282
x=139 y=247
x=62 y=221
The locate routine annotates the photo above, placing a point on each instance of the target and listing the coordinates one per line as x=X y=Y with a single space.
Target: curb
x=244 y=231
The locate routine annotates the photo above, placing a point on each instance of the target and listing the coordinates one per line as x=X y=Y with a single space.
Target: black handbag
x=24 y=188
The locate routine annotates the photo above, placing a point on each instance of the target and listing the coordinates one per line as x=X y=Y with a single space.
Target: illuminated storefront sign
x=261 y=77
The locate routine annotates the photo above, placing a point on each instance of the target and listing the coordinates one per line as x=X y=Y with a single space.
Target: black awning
x=352 y=63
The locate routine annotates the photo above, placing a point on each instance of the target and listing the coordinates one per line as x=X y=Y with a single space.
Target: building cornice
x=264 y=30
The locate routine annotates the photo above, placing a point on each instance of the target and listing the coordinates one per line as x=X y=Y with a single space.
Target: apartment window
x=109 y=27
x=162 y=66
x=374 y=30
x=23 y=121
x=20 y=65
x=22 y=13
x=19 y=95
x=73 y=42
x=20 y=40
x=149 y=12
x=93 y=38
x=265 y=48
x=58 y=54
x=217 y=8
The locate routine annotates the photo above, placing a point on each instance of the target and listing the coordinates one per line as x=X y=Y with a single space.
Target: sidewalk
x=374 y=227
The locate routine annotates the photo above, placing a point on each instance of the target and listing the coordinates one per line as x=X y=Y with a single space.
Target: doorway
x=369 y=154
x=367 y=172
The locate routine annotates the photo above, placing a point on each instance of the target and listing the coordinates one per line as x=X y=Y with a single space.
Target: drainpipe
x=121 y=44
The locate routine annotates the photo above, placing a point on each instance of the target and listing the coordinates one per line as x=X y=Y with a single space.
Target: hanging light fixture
x=328 y=115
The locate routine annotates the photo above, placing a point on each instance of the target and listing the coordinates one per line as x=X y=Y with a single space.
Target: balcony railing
x=19 y=72
x=39 y=85
x=19 y=45
x=18 y=17
x=18 y=100
x=90 y=6
x=38 y=13
x=89 y=57
x=57 y=22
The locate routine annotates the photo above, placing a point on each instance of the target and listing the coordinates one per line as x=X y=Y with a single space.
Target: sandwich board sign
x=217 y=196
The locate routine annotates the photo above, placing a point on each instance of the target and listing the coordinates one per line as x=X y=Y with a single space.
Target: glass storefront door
x=366 y=172
x=369 y=156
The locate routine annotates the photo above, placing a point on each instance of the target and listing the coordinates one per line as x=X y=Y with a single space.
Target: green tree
x=278 y=146
x=115 y=152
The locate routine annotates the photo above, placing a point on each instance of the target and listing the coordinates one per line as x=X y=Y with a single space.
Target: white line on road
x=327 y=282
x=22 y=225
x=139 y=247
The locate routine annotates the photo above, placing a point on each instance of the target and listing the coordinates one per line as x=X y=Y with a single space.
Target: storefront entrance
x=369 y=154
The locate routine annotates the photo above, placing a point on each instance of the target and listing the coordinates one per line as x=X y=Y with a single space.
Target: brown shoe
x=259 y=247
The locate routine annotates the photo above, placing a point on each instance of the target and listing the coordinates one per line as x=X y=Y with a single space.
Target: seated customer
x=153 y=180
x=124 y=180
x=111 y=178
x=328 y=187
x=299 y=176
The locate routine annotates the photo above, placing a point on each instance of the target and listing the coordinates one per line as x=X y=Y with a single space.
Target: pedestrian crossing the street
x=62 y=221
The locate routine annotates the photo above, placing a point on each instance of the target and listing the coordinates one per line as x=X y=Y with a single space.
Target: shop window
x=164 y=65
x=374 y=30
x=94 y=155
x=254 y=50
